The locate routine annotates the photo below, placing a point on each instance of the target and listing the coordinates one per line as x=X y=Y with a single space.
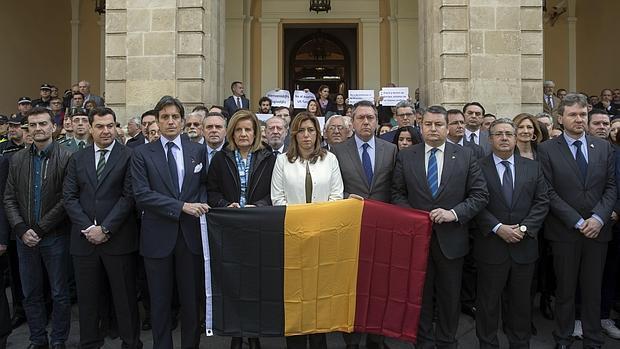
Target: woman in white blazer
x=306 y=173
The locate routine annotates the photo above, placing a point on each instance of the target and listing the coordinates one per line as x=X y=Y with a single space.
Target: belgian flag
x=348 y=265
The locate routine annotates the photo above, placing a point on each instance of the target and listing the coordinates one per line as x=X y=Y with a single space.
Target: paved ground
x=466 y=335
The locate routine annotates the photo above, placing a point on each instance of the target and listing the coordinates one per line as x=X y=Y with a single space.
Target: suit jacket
x=163 y=218
x=478 y=150
x=571 y=199
x=416 y=137
x=109 y=202
x=546 y=108
x=231 y=106
x=136 y=140
x=97 y=99
x=529 y=206
x=72 y=144
x=353 y=175
x=224 y=184
x=5 y=228
x=462 y=189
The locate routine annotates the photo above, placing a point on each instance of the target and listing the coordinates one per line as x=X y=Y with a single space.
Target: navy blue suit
x=170 y=239
x=230 y=105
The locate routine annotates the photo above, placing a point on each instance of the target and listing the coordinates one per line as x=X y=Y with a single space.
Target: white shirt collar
x=570 y=140
x=176 y=141
x=498 y=160
x=359 y=142
x=442 y=148
x=108 y=148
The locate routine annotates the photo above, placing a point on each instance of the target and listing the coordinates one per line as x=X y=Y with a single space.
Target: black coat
x=224 y=185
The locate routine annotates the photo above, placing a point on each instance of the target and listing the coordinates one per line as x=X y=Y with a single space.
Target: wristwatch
x=105 y=230
x=523 y=229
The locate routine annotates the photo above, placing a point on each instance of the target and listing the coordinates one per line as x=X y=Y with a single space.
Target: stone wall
x=483 y=50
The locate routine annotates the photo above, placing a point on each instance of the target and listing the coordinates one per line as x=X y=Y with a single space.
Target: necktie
x=172 y=167
x=276 y=153
x=238 y=102
x=550 y=102
x=581 y=160
x=308 y=184
x=101 y=163
x=367 y=164
x=211 y=153
x=507 y=188
x=81 y=145
x=432 y=175
x=472 y=138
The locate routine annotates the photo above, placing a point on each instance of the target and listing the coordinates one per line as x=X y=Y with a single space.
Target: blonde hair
x=240 y=115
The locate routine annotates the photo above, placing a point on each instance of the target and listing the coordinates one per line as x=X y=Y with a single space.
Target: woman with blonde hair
x=240 y=175
x=307 y=173
x=528 y=135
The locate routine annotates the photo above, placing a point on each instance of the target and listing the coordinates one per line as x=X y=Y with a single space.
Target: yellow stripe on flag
x=321 y=247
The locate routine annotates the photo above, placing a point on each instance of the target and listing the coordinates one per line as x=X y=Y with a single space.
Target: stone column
x=482 y=50
x=161 y=47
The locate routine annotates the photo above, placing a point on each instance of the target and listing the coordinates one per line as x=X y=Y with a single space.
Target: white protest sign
x=264 y=117
x=301 y=99
x=361 y=95
x=321 y=120
x=393 y=95
x=279 y=98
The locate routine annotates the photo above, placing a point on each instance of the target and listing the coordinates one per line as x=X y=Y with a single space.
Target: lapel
x=418 y=169
x=379 y=158
x=112 y=160
x=91 y=166
x=159 y=159
x=493 y=180
x=520 y=179
x=189 y=162
x=357 y=163
x=592 y=156
x=449 y=159
x=568 y=156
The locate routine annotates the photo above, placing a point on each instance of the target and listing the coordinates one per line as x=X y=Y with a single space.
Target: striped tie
x=101 y=163
x=432 y=176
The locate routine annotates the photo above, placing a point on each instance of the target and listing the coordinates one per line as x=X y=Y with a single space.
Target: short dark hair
x=218 y=114
x=364 y=103
x=489 y=115
x=147 y=113
x=276 y=109
x=597 y=111
x=474 y=103
x=40 y=110
x=234 y=83
x=437 y=109
x=100 y=111
x=200 y=107
x=77 y=93
x=572 y=99
x=264 y=99
x=454 y=111
x=167 y=101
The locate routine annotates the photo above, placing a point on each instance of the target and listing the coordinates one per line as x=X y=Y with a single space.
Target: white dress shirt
x=573 y=150
x=438 y=155
x=177 y=151
x=288 y=181
x=476 y=135
x=107 y=154
x=501 y=168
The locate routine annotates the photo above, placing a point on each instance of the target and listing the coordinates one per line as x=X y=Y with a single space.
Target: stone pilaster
x=483 y=50
x=160 y=47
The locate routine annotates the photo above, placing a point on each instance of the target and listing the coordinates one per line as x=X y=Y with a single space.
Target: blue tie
x=432 y=176
x=581 y=160
x=507 y=188
x=366 y=163
x=172 y=167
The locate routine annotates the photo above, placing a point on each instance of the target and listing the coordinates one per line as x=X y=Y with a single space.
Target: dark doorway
x=316 y=55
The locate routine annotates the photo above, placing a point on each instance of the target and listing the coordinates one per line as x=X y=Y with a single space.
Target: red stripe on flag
x=393 y=254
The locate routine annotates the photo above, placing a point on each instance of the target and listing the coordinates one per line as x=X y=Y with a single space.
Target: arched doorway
x=316 y=56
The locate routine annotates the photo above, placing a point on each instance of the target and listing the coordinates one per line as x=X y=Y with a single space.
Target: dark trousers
x=161 y=273
x=579 y=263
x=510 y=280
x=5 y=314
x=317 y=341
x=91 y=280
x=53 y=254
x=611 y=274
x=442 y=285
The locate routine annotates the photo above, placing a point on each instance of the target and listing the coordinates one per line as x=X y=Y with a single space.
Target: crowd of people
x=109 y=217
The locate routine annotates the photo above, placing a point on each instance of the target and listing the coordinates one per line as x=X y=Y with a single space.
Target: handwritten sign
x=393 y=95
x=279 y=98
x=321 y=120
x=264 y=117
x=361 y=95
x=301 y=99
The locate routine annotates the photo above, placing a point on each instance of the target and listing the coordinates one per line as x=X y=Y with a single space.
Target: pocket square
x=198 y=168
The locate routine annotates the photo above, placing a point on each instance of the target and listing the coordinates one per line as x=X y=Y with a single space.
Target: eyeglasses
x=502 y=134
x=336 y=127
x=405 y=115
x=195 y=124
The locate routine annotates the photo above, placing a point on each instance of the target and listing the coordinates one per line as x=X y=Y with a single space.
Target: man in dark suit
x=366 y=164
x=5 y=314
x=104 y=236
x=147 y=118
x=580 y=171
x=445 y=180
x=237 y=100
x=405 y=116
x=168 y=178
x=456 y=132
x=505 y=243
x=474 y=114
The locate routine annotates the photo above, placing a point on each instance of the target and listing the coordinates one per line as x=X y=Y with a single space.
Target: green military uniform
x=73 y=144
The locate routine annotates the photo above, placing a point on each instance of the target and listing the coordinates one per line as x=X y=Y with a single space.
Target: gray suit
x=462 y=189
x=576 y=257
x=355 y=182
x=353 y=174
x=483 y=141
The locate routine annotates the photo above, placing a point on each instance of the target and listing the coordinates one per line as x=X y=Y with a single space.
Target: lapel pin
x=453 y=157
x=591 y=145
